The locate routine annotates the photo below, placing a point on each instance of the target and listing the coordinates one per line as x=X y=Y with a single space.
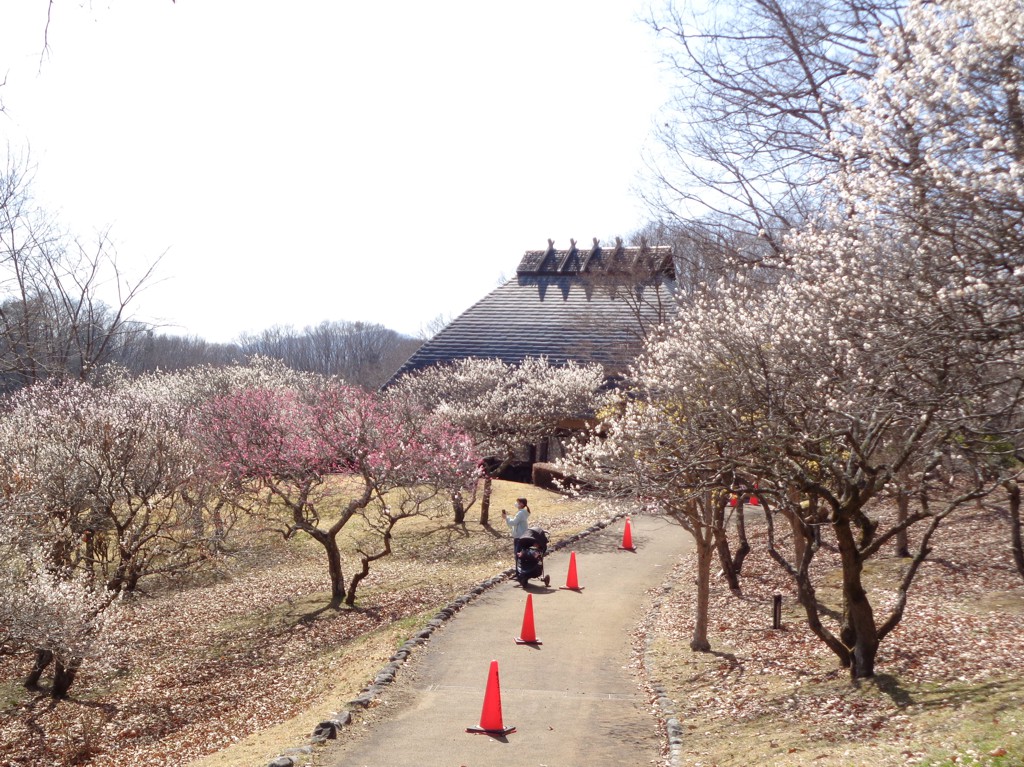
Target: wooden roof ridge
x=574 y=261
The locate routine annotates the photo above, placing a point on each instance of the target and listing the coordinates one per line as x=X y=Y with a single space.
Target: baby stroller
x=530 y=559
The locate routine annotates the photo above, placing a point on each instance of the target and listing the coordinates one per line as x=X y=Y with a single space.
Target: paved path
x=575 y=700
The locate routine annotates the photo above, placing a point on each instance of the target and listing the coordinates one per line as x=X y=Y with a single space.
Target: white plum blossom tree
x=65 y=619
x=888 y=358
x=91 y=503
x=651 y=450
x=504 y=407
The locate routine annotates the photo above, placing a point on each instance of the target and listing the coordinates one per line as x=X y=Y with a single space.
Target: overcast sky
x=295 y=162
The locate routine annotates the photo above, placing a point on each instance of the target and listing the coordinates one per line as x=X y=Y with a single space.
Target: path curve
x=576 y=699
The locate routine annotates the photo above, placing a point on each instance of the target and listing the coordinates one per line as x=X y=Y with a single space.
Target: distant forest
x=361 y=353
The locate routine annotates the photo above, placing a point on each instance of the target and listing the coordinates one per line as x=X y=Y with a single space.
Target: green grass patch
x=11 y=694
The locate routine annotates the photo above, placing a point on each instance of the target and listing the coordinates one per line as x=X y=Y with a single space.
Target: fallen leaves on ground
x=206 y=667
x=780 y=697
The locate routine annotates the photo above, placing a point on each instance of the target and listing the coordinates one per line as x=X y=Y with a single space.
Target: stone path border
x=328 y=729
x=656 y=690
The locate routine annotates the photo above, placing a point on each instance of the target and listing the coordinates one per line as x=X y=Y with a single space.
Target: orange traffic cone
x=571 y=582
x=528 y=634
x=627 y=538
x=490 y=717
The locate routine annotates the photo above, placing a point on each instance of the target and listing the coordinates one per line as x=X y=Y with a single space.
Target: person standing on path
x=518 y=525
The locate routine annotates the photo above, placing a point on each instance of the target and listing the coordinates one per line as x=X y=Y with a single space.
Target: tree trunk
x=796 y=524
x=485 y=502
x=334 y=569
x=809 y=601
x=743 y=546
x=902 y=509
x=91 y=555
x=800 y=573
x=799 y=539
x=719 y=504
x=63 y=678
x=861 y=633
x=1013 y=493
x=705 y=552
x=459 y=508
x=385 y=551
x=816 y=521
x=219 y=531
x=42 y=660
x=132 y=583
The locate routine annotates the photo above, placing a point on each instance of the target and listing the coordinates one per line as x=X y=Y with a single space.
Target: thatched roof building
x=586 y=305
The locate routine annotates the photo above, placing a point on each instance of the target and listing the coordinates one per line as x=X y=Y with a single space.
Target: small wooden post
x=777 y=611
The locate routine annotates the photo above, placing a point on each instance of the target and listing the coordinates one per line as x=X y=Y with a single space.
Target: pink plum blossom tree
x=326 y=453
